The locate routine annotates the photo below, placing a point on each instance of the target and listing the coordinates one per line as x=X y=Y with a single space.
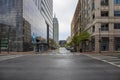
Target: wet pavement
x=57 y=67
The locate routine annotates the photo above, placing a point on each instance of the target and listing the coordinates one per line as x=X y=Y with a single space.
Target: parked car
x=73 y=50
x=68 y=48
x=53 y=48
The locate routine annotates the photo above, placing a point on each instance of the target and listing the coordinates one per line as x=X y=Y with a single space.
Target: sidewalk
x=113 y=58
x=11 y=55
x=102 y=53
x=15 y=53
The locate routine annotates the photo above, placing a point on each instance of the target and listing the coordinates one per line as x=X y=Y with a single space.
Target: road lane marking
x=2 y=58
x=97 y=58
x=60 y=54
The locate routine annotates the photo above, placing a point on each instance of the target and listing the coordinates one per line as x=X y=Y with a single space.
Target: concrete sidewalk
x=8 y=56
x=15 y=53
x=109 y=58
x=30 y=52
x=11 y=55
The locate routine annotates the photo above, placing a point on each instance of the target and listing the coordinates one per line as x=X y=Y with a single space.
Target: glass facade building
x=24 y=20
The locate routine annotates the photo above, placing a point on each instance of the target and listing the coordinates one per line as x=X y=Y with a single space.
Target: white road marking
x=117 y=62
x=60 y=54
x=2 y=58
x=98 y=58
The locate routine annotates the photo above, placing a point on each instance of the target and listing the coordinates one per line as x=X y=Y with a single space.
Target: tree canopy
x=81 y=37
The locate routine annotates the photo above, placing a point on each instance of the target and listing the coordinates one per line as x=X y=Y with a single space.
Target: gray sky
x=64 y=10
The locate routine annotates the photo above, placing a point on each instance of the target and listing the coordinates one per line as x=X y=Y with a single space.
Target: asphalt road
x=57 y=67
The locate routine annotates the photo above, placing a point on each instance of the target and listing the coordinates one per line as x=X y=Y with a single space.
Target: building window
x=93 y=16
x=116 y=1
x=104 y=27
x=93 y=5
x=104 y=13
x=104 y=2
x=117 y=43
x=93 y=29
x=116 y=13
x=117 y=26
x=104 y=43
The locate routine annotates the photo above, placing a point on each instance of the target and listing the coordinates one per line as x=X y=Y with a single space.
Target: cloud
x=64 y=10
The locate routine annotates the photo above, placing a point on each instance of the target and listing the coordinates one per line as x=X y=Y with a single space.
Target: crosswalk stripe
x=108 y=59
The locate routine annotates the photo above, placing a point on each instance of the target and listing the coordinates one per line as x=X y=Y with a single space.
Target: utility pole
x=99 y=40
x=8 y=39
x=0 y=40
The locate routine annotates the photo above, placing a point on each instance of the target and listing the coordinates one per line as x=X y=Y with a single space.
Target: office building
x=68 y=40
x=24 y=20
x=101 y=18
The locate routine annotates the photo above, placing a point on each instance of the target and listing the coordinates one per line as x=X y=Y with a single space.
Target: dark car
x=73 y=50
x=68 y=48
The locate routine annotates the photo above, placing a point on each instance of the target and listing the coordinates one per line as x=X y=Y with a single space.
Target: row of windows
x=106 y=13
x=105 y=27
x=116 y=1
x=106 y=2
x=105 y=41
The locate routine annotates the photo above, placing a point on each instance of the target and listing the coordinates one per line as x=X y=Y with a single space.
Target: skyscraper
x=25 y=20
x=55 y=30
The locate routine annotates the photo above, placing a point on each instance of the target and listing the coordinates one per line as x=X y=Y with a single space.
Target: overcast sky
x=64 y=10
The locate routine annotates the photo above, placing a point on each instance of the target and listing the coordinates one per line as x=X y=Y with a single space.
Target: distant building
x=62 y=43
x=25 y=20
x=55 y=30
x=68 y=39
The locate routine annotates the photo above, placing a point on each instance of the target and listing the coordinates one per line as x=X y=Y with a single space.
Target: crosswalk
x=67 y=54
x=109 y=59
x=6 y=57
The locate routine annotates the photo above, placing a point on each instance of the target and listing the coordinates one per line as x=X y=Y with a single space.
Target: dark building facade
x=23 y=20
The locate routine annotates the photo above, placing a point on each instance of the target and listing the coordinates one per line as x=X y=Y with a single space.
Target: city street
x=57 y=65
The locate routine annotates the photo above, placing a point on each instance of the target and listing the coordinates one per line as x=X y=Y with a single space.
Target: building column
x=97 y=44
x=111 y=44
x=111 y=8
x=111 y=37
x=97 y=37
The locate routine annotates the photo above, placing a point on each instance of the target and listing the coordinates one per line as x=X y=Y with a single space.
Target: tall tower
x=55 y=29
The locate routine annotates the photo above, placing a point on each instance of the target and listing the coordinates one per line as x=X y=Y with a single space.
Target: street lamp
x=0 y=41
x=99 y=40
x=9 y=38
x=87 y=44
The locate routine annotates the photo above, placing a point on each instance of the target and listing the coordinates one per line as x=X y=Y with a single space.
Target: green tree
x=69 y=44
x=83 y=36
x=75 y=39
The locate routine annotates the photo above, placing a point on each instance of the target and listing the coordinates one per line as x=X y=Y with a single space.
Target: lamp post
x=0 y=40
x=99 y=40
x=9 y=38
x=87 y=44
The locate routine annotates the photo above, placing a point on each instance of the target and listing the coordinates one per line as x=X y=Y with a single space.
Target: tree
x=83 y=36
x=75 y=39
x=69 y=44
